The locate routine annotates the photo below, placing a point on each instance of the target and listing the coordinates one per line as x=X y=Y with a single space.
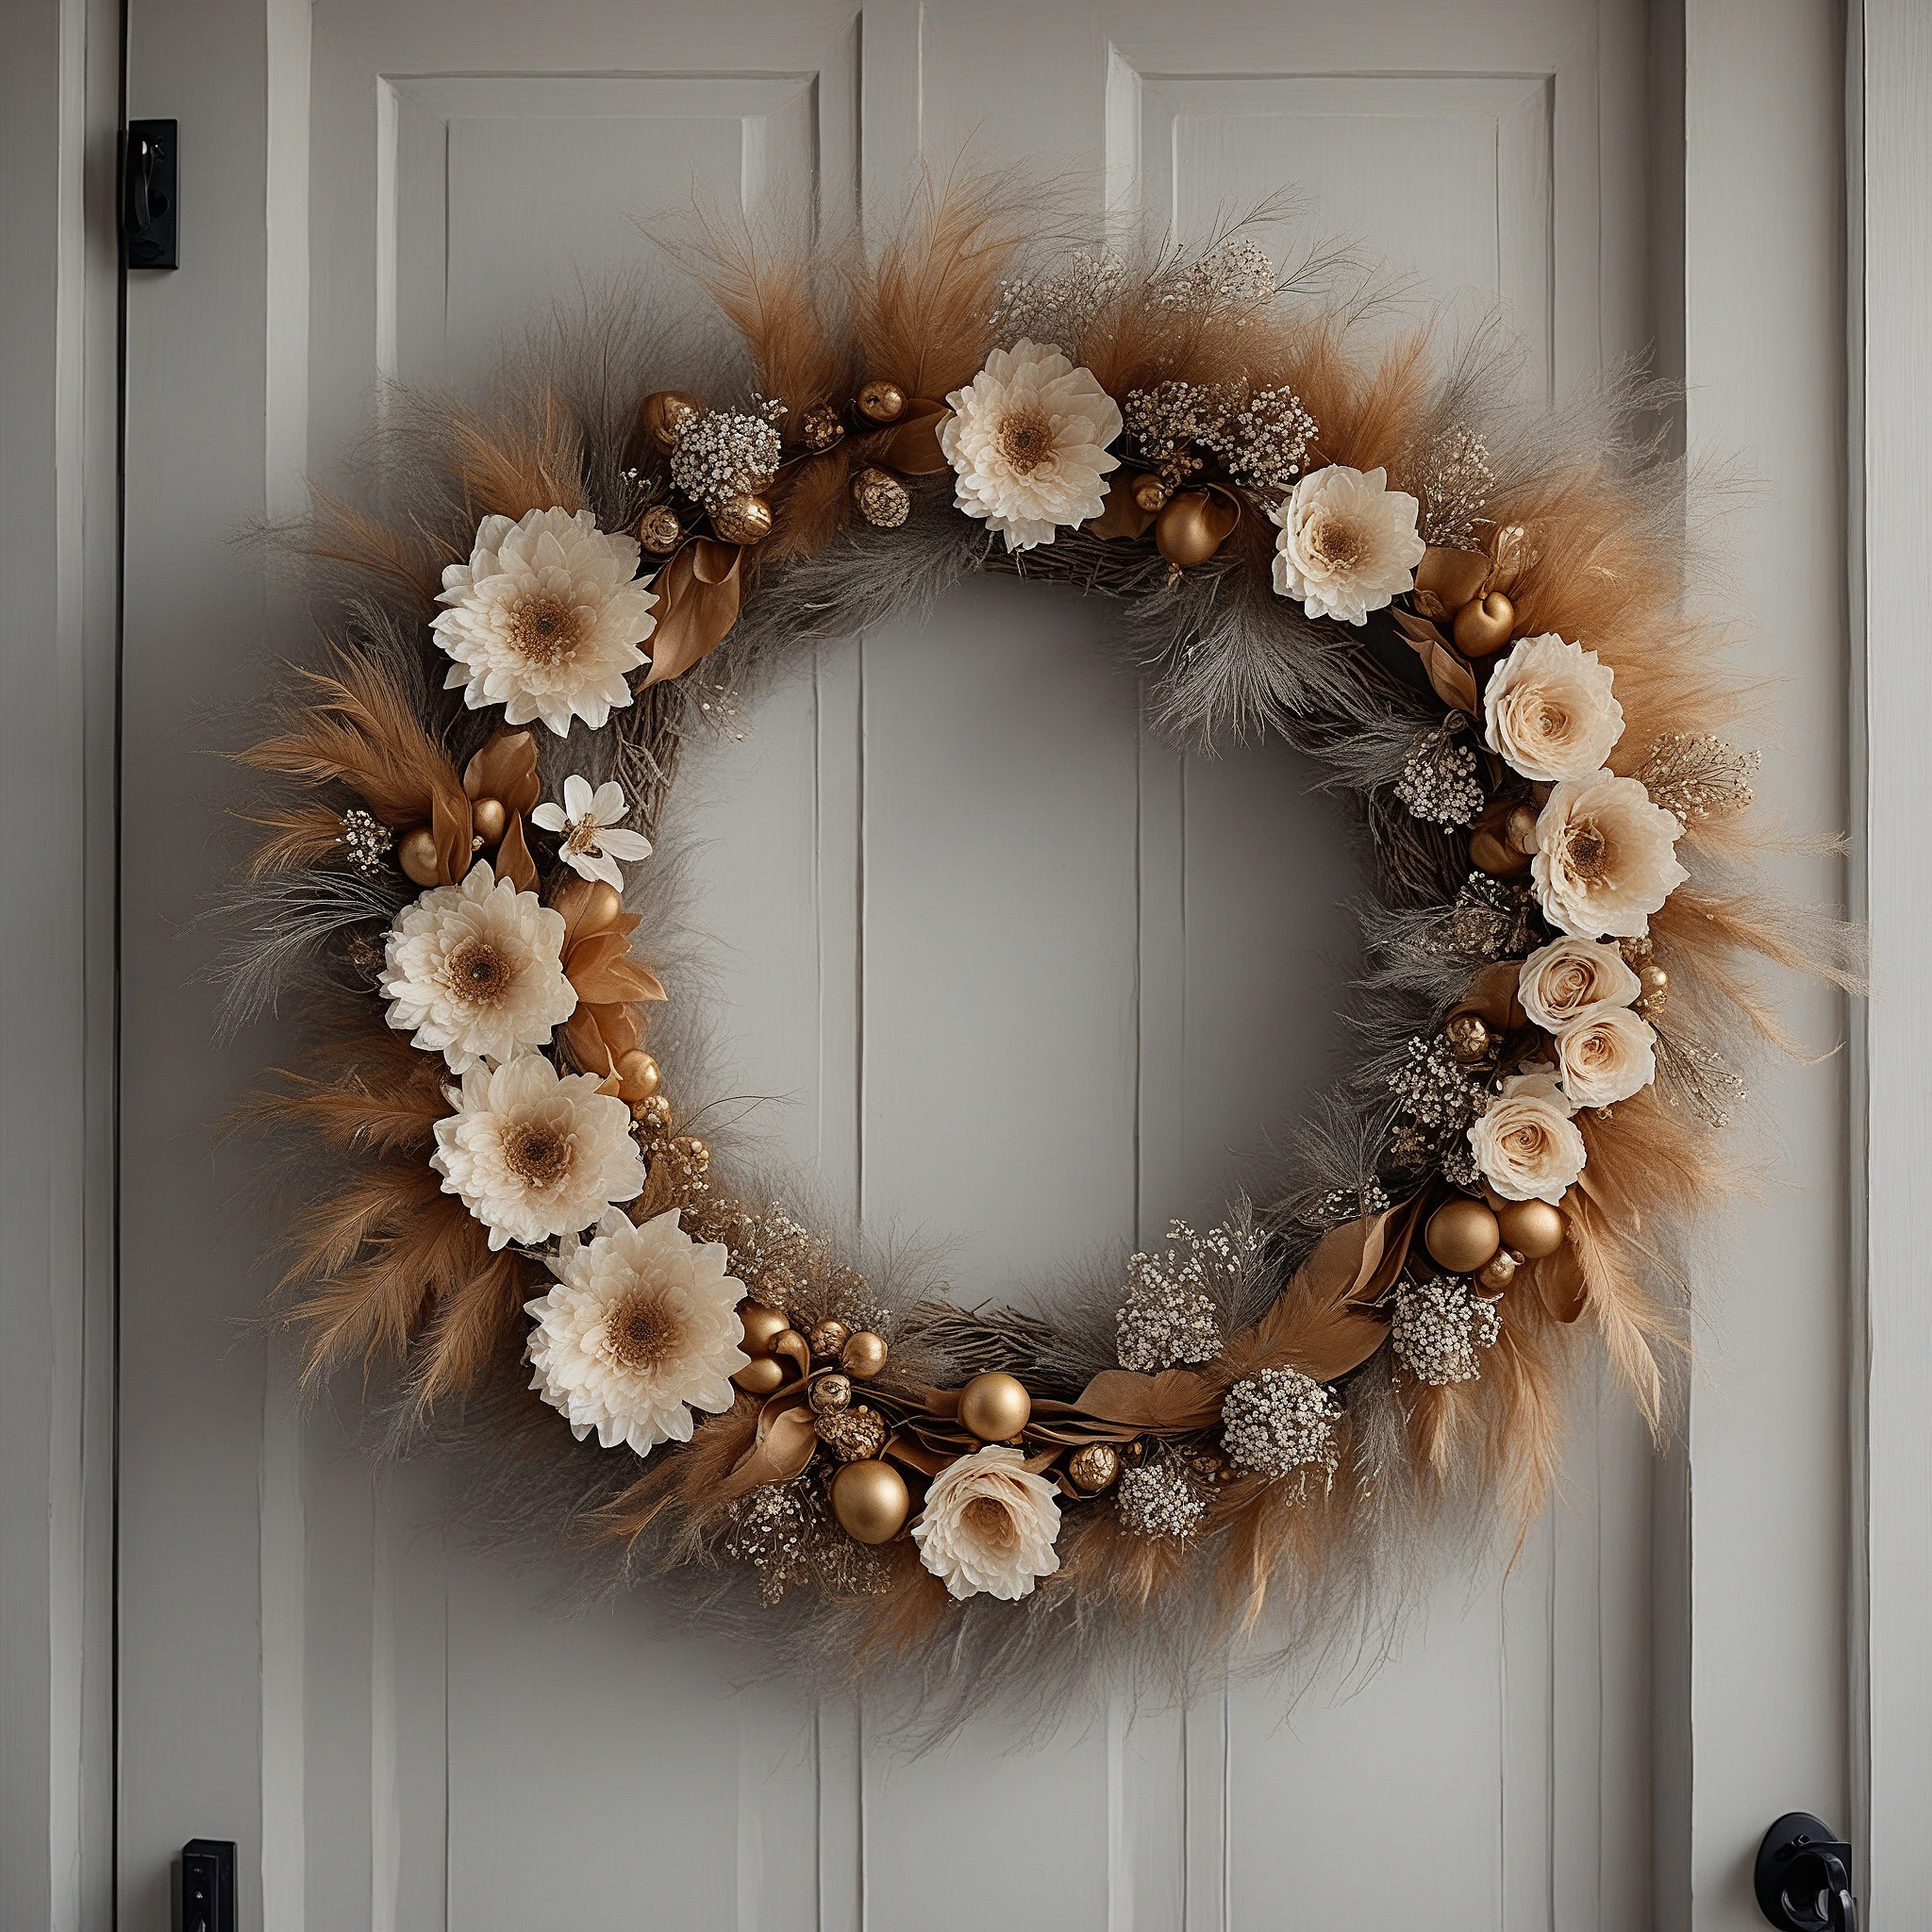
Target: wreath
x=513 y=1200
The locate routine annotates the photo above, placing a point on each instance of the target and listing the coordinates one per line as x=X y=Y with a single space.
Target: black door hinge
x=150 y=182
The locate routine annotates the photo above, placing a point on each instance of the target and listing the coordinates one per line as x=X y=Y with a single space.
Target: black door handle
x=1803 y=1876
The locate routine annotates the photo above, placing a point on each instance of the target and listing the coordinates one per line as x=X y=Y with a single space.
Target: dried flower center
x=582 y=837
x=1588 y=852
x=476 y=973
x=536 y=1152
x=640 y=1332
x=1336 y=543
x=1026 y=441
x=991 y=1523
x=546 y=630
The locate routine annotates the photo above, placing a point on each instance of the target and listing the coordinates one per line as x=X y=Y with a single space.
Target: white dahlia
x=475 y=971
x=989 y=1524
x=1550 y=711
x=545 y=619
x=1027 y=438
x=534 y=1153
x=1605 y=857
x=1348 y=542
x=640 y=1329
x=590 y=826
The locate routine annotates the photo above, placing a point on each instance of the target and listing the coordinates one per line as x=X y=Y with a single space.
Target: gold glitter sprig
x=1698 y=776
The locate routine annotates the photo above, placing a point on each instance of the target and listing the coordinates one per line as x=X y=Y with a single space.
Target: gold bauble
x=1183 y=533
x=870 y=1500
x=1654 y=984
x=1483 y=626
x=664 y=414
x=637 y=1074
x=1498 y=1272
x=1531 y=1228
x=881 y=499
x=762 y=1326
x=603 y=905
x=759 y=1377
x=1461 y=1236
x=742 y=520
x=853 y=1435
x=659 y=530
x=1520 y=828
x=863 y=1356
x=1466 y=1037
x=1090 y=1470
x=1150 y=493
x=883 y=402
x=416 y=854
x=994 y=1407
x=831 y=1391
x=1493 y=854
x=819 y=428
x=489 y=818
x=828 y=1338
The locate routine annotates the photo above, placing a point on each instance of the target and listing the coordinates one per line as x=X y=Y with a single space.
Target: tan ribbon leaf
x=580 y=900
x=450 y=825
x=603 y=973
x=1449 y=676
x=1493 y=996
x=1559 y=1284
x=912 y=446
x=784 y=1444
x=513 y=860
x=1176 y=1400
x=505 y=769
x=698 y=595
x=1122 y=516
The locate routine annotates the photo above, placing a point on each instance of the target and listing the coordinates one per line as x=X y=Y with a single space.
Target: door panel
x=965 y=931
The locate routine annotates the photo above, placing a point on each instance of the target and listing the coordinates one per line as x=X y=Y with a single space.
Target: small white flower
x=642 y=1328
x=1348 y=542
x=1605 y=1057
x=1569 y=977
x=1606 y=857
x=545 y=619
x=536 y=1154
x=474 y=971
x=989 y=1524
x=1549 y=711
x=1525 y=1144
x=1028 y=438
x=591 y=826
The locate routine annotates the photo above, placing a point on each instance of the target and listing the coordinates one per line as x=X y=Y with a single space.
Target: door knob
x=1803 y=1876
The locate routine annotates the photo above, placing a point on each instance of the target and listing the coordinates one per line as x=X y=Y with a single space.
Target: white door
x=401 y=1733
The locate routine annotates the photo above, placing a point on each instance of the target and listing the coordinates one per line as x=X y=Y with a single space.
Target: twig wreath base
x=507 y=1205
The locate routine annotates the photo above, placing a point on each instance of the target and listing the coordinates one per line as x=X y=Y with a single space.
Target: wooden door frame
x=61 y=96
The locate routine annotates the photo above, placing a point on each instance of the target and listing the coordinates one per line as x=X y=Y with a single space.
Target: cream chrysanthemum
x=1028 y=438
x=640 y=1329
x=474 y=971
x=536 y=1154
x=989 y=1525
x=1348 y=542
x=545 y=619
x=1605 y=857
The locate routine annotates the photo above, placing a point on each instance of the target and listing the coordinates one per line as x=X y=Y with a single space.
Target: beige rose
x=1548 y=710
x=1606 y=857
x=1605 y=1057
x=989 y=1524
x=1560 y=982
x=1525 y=1144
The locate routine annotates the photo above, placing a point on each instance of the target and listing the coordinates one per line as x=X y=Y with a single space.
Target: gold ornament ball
x=1468 y=1037
x=829 y=1393
x=864 y=1354
x=1461 y=1236
x=1182 y=532
x=1150 y=493
x=1655 y=985
x=759 y=1377
x=1520 y=828
x=881 y=499
x=819 y=428
x=870 y=1500
x=602 y=905
x=489 y=818
x=828 y=1338
x=1091 y=1468
x=1498 y=1272
x=637 y=1074
x=994 y=1407
x=659 y=530
x=762 y=1326
x=1533 y=1229
x=664 y=414
x=742 y=520
x=1483 y=626
x=882 y=402
x=1495 y=855
x=416 y=854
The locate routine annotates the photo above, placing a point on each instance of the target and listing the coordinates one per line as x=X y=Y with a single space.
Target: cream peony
x=1348 y=542
x=1567 y=979
x=1606 y=857
x=640 y=1329
x=476 y=972
x=1548 y=710
x=989 y=1524
x=1605 y=1057
x=1526 y=1143
x=1028 y=438
x=545 y=619
x=589 y=826
x=534 y=1153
